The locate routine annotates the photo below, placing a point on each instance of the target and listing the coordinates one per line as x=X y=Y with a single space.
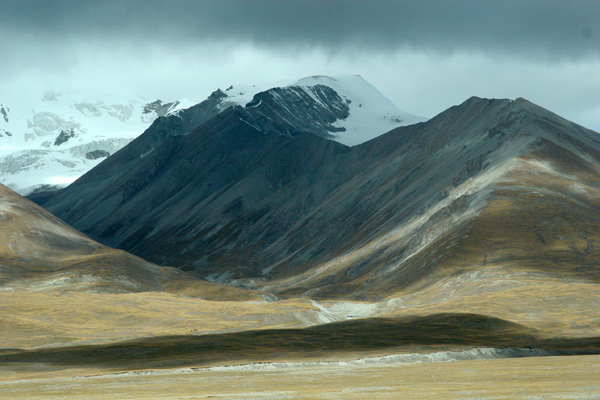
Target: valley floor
x=154 y=345
x=566 y=377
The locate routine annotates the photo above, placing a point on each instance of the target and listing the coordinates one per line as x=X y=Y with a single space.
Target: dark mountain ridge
x=259 y=204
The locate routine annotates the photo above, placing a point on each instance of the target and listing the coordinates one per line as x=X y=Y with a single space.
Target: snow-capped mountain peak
x=370 y=113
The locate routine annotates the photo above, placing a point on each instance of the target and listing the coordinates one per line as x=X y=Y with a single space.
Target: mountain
x=344 y=108
x=50 y=140
x=46 y=144
x=488 y=191
x=472 y=236
x=40 y=253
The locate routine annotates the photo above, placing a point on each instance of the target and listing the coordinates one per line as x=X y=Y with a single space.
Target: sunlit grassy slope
x=533 y=218
x=41 y=253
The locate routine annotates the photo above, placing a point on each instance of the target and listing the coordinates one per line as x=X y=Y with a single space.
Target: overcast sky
x=424 y=55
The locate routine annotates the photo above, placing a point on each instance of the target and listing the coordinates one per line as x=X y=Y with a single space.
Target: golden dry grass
x=30 y=320
x=548 y=378
x=554 y=307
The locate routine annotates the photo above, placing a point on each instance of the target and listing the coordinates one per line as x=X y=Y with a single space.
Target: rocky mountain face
x=343 y=108
x=289 y=110
x=491 y=190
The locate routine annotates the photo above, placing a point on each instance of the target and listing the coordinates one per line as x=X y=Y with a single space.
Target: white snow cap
x=371 y=113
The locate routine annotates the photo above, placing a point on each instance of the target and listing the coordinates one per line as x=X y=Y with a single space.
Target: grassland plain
x=177 y=347
x=548 y=378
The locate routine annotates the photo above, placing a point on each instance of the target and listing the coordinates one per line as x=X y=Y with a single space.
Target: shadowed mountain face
x=489 y=188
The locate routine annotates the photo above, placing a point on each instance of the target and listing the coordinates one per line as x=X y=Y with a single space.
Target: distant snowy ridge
x=51 y=140
x=371 y=113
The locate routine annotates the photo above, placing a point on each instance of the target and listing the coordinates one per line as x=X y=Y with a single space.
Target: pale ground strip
x=548 y=378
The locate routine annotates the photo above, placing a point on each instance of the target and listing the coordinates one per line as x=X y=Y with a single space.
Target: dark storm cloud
x=551 y=28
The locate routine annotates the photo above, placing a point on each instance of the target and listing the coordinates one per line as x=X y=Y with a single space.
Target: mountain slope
x=188 y=171
x=40 y=253
x=511 y=189
x=294 y=214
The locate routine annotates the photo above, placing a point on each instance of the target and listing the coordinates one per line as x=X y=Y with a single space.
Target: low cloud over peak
x=424 y=55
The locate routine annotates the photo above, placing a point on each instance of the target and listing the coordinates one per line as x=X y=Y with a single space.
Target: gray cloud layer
x=547 y=28
x=424 y=55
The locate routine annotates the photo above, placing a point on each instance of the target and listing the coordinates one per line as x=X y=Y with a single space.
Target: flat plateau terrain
x=154 y=345
x=573 y=377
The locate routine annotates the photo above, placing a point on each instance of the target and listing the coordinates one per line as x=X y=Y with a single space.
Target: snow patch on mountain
x=371 y=113
x=240 y=95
